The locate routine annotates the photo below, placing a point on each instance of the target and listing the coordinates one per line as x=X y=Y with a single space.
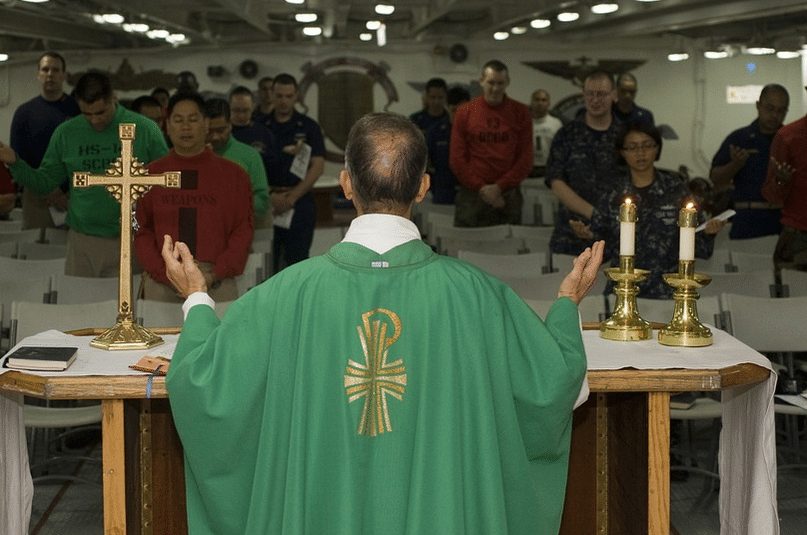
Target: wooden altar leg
x=658 y=463
x=114 y=477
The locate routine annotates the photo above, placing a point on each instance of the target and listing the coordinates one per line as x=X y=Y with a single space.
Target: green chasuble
x=358 y=393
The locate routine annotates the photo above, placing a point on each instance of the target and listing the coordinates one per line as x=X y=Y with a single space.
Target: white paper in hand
x=720 y=217
x=299 y=167
x=283 y=220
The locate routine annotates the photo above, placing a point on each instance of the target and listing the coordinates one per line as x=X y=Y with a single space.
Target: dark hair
x=599 y=75
x=386 y=158
x=457 y=95
x=285 y=79
x=437 y=83
x=54 y=55
x=145 y=100
x=93 y=86
x=637 y=126
x=494 y=65
x=159 y=90
x=241 y=90
x=266 y=79
x=183 y=96
x=217 y=107
x=774 y=88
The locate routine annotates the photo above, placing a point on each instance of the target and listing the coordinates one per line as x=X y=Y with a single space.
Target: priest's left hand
x=181 y=269
x=584 y=273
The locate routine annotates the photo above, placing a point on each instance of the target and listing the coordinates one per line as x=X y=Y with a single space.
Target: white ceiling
x=68 y=24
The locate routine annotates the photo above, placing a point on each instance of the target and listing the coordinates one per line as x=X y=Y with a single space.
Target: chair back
x=719 y=262
x=254 y=272
x=324 y=239
x=794 y=283
x=767 y=323
x=763 y=245
x=537 y=287
x=756 y=283
x=151 y=313
x=40 y=251
x=505 y=246
x=28 y=235
x=13 y=268
x=70 y=290
x=507 y=265
x=8 y=249
x=743 y=261
x=31 y=318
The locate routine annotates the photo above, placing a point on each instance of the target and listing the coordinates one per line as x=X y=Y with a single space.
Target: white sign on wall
x=742 y=94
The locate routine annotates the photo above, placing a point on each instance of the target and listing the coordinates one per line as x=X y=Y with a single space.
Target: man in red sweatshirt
x=491 y=153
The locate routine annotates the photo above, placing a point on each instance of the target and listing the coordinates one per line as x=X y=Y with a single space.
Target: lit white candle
x=687 y=221
x=627 y=228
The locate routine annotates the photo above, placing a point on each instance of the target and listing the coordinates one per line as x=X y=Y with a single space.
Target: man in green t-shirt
x=379 y=388
x=90 y=143
x=219 y=135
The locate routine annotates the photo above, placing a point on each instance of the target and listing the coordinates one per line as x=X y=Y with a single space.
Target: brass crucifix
x=127 y=180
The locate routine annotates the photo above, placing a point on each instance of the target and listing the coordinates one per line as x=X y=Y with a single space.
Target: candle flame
x=627 y=200
x=690 y=205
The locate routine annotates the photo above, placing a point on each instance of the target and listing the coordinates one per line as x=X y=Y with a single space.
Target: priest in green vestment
x=379 y=389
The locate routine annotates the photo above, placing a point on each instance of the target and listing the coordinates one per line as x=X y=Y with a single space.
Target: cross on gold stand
x=127 y=180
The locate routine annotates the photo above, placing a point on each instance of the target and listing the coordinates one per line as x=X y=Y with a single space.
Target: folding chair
x=508 y=265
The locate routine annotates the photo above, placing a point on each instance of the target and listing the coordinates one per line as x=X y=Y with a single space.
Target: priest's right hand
x=181 y=269
x=584 y=272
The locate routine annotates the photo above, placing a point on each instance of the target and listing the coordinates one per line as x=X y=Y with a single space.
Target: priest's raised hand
x=181 y=269
x=584 y=272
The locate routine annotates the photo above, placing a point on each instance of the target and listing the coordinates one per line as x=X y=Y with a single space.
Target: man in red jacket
x=491 y=153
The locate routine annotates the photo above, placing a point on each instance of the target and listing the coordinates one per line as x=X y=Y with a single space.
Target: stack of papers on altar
x=42 y=358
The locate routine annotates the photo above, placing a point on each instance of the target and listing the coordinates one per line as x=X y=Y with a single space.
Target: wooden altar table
x=619 y=469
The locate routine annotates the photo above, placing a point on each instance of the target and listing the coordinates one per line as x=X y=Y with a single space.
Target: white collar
x=381 y=232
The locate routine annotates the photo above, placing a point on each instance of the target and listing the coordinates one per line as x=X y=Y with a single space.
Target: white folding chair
x=794 y=283
x=14 y=267
x=40 y=251
x=719 y=262
x=763 y=245
x=151 y=313
x=506 y=246
x=743 y=261
x=69 y=290
x=34 y=289
x=509 y=265
x=756 y=283
x=8 y=249
x=29 y=235
x=55 y=236
x=262 y=234
x=541 y=287
x=254 y=273
x=440 y=233
x=10 y=225
x=324 y=239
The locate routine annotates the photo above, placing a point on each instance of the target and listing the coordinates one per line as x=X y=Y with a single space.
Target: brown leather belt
x=754 y=205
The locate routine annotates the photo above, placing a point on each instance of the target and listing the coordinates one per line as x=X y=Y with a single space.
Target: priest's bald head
x=385 y=165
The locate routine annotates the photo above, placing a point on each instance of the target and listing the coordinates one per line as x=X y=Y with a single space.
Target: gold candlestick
x=685 y=328
x=625 y=324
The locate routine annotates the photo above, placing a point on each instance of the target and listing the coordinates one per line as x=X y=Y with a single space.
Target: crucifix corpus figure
x=127 y=180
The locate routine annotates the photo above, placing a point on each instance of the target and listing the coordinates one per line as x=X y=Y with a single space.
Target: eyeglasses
x=642 y=147
x=596 y=94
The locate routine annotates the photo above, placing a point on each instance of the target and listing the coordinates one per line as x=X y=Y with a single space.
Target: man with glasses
x=89 y=143
x=582 y=162
x=741 y=163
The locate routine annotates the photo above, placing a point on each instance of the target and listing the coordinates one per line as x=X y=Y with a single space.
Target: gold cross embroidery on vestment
x=376 y=378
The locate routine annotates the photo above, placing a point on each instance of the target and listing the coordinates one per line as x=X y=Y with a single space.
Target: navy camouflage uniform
x=586 y=160
x=657 y=207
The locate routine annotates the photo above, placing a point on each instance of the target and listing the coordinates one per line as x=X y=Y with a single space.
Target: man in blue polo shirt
x=291 y=188
x=742 y=163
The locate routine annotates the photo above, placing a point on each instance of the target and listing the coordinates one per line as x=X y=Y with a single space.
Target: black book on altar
x=42 y=358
